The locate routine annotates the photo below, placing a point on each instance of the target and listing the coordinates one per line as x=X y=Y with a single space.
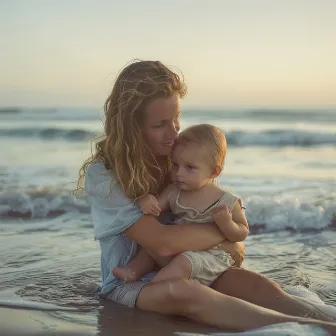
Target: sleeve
x=111 y=210
x=230 y=200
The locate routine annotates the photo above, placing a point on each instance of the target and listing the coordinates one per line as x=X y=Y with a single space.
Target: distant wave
x=259 y=114
x=292 y=115
x=10 y=110
x=267 y=115
x=48 y=133
x=65 y=114
x=284 y=137
x=263 y=213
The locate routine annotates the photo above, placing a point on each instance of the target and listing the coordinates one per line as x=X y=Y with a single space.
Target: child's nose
x=179 y=172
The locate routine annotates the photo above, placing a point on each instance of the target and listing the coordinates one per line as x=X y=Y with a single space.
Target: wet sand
x=19 y=322
x=112 y=320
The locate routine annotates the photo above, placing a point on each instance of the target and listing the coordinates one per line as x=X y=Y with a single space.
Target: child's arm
x=149 y=205
x=164 y=197
x=233 y=225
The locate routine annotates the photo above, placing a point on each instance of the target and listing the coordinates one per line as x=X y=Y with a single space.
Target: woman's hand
x=236 y=250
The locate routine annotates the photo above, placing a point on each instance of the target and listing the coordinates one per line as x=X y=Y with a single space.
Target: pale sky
x=232 y=53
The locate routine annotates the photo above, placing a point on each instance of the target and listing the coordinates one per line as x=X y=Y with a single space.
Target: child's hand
x=149 y=205
x=222 y=214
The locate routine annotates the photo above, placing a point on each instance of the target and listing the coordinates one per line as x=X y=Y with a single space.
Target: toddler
x=193 y=197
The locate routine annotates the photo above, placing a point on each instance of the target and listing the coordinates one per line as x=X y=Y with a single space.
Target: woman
x=142 y=122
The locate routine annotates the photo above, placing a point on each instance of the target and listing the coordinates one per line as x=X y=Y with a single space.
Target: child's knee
x=182 y=262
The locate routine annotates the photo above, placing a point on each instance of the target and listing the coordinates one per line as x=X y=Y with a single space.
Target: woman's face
x=162 y=123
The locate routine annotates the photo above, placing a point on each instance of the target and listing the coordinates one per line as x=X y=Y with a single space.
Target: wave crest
x=237 y=138
x=36 y=203
x=48 y=133
x=264 y=214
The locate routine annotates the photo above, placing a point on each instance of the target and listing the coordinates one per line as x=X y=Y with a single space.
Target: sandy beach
x=19 y=322
x=111 y=320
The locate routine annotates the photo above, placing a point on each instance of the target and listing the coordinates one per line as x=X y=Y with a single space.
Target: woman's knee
x=265 y=285
x=182 y=291
x=188 y=296
x=173 y=296
x=236 y=280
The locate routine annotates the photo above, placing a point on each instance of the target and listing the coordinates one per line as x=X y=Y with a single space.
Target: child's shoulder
x=230 y=191
x=226 y=192
x=222 y=190
x=230 y=196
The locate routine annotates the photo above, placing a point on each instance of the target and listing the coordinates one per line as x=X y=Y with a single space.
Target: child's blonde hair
x=209 y=136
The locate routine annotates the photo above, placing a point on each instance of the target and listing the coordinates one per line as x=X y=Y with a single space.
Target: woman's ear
x=216 y=171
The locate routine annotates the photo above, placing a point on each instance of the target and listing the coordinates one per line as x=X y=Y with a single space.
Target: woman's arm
x=169 y=240
x=236 y=250
x=117 y=214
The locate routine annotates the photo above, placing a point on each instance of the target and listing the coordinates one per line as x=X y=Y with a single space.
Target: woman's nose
x=173 y=131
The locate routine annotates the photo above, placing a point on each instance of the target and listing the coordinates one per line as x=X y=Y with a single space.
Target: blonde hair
x=124 y=149
x=209 y=136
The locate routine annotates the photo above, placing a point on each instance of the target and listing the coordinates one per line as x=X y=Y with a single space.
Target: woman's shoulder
x=98 y=177
x=102 y=187
x=96 y=168
x=111 y=210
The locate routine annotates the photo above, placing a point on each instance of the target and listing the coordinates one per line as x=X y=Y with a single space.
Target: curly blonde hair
x=123 y=148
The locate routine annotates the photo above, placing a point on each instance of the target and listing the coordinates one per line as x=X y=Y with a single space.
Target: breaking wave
x=265 y=214
x=274 y=138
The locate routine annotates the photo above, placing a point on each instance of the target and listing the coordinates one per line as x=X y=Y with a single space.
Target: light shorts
x=208 y=265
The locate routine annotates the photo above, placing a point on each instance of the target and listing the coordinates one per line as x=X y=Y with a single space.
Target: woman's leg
x=204 y=305
x=259 y=290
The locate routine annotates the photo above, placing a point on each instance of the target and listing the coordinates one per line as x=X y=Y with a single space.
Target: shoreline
x=19 y=322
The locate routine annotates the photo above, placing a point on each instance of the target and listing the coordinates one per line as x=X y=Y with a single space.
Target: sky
x=236 y=53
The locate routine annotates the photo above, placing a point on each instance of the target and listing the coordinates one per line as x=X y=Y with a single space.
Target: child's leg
x=160 y=261
x=179 y=267
x=141 y=264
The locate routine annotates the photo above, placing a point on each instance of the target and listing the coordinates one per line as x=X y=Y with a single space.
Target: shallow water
x=51 y=262
x=47 y=252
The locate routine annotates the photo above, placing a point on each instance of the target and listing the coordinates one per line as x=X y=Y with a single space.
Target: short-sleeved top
x=186 y=214
x=112 y=213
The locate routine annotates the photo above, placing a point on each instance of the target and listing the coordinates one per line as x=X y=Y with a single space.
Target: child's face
x=191 y=168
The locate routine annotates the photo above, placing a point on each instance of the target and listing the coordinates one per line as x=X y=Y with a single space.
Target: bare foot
x=124 y=273
x=321 y=311
x=328 y=326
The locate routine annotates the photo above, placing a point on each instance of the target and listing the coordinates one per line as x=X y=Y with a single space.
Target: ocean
x=281 y=162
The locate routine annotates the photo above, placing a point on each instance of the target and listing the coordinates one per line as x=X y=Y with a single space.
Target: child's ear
x=216 y=172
